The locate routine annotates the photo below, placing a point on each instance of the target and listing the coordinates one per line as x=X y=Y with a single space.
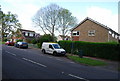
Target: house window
x=116 y=36
x=110 y=32
x=76 y=33
x=113 y=35
x=31 y=34
x=91 y=33
x=26 y=34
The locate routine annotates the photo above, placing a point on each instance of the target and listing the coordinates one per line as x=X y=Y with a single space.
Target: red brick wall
x=75 y=38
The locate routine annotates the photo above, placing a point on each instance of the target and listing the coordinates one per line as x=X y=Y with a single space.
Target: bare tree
x=53 y=17
x=46 y=18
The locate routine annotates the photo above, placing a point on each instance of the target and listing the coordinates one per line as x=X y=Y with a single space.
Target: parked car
x=21 y=45
x=52 y=48
x=9 y=43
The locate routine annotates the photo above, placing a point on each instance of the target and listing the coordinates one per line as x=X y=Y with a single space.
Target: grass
x=2 y=42
x=86 y=61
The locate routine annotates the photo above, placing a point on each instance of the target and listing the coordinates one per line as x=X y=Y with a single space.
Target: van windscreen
x=56 y=46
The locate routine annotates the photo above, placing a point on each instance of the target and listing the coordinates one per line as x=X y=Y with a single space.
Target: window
x=31 y=34
x=113 y=35
x=76 y=33
x=116 y=36
x=110 y=32
x=26 y=34
x=91 y=33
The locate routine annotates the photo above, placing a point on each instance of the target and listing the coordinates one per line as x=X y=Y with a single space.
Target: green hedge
x=101 y=50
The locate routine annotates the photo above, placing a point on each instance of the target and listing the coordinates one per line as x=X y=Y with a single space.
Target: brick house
x=92 y=31
x=25 y=35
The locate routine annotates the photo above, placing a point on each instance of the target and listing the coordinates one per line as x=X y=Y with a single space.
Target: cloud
x=104 y=16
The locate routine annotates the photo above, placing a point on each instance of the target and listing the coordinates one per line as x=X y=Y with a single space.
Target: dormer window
x=76 y=33
x=91 y=33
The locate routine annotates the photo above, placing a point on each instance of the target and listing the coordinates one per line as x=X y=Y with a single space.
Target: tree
x=54 y=18
x=66 y=22
x=46 y=18
x=10 y=24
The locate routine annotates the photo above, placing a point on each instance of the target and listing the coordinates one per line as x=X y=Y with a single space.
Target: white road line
x=78 y=77
x=11 y=53
x=59 y=59
x=34 y=62
x=50 y=57
x=72 y=62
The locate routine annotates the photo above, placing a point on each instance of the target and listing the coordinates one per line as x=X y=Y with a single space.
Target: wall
x=101 y=34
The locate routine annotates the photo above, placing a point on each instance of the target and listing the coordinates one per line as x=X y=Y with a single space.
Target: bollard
x=81 y=53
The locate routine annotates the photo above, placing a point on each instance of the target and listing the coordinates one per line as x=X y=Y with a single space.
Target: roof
x=26 y=30
x=102 y=25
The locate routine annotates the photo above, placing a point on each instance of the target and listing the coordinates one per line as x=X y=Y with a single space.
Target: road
x=33 y=64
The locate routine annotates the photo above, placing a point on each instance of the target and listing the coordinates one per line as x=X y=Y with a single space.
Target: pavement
x=33 y=64
x=0 y=62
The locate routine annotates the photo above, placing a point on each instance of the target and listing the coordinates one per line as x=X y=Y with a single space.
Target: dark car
x=21 y=45
x=9 y=43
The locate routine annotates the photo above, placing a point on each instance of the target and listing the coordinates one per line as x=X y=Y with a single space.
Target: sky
x=103 y=11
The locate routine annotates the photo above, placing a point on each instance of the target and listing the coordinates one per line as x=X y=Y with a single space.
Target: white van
x=52 y=48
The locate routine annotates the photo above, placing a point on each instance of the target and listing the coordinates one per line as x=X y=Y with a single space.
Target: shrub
x=39 y=45
x=5 y=40
x=101 y=50
x=20 y=40
x=34 y=41
x=45 y=38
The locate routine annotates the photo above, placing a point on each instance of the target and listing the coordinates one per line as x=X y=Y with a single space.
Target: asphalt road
x=33 y=64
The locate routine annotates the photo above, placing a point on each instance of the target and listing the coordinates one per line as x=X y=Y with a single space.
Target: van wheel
x=44 y=51
x=55 y=53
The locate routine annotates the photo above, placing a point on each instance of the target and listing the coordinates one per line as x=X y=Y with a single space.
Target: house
x=61 y=37
x=25 y=35
x=92 y=31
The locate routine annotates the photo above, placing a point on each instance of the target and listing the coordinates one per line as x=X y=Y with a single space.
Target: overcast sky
x=103 y=11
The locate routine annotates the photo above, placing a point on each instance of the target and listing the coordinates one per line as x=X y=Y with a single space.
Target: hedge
x=109 y=51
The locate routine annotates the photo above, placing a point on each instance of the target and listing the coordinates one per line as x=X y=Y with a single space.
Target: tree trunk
x=53 y=33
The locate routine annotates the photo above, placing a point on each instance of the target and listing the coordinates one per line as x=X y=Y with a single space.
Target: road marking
x=62 y=72
x=11 y=53
x=78 y=77
x=34 y=62
x=58 y=59
x=50 y=57
x=72 y=62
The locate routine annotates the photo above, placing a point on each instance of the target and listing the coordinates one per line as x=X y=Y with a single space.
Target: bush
x=101 y=50
x=39 y=45
x=5 y=40
x=20 y=40
x=45 y=38
x=34 y=41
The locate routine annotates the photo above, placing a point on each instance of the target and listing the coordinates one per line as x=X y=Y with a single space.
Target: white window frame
x=31 y=34
x=91 y=33
x=76 y=33
x=116 y=36
x=110 y=32
x=113 y=35
x=26 y=33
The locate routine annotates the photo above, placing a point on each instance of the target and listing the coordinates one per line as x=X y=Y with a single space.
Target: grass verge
x=2 y=42
x=86 y=61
